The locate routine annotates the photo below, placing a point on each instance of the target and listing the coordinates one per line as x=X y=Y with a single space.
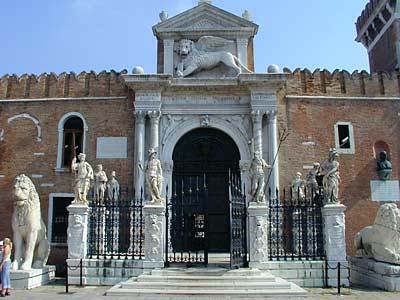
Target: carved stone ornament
x=205 y=121
x=381 y=241
x=30 y=238
x=260 y=239
x=206 y=54
x=75 y=233
x=155 y=241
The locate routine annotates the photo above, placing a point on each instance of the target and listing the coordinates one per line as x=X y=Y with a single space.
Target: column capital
x=168 y=43
x=257 y=115
x=242 y=41
x=154 y=115
x=140 y=116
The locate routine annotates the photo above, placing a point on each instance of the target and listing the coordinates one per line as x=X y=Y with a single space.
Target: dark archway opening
x=206 y=153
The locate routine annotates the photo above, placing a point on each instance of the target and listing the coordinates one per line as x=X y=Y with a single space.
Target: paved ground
x=57 y=291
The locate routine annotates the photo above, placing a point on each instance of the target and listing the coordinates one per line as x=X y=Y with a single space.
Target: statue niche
x=208 y=53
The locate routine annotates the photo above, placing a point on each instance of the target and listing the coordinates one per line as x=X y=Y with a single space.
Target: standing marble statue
x=154 y=177
x=83 y=174
x=257 y=172
x=100 y=184
x=298 y=187
x=113 y=188
x=312 y=186
x=331 y=180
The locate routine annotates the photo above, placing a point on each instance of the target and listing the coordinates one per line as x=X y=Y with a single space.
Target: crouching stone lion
x=30 y=238
x=381 y=241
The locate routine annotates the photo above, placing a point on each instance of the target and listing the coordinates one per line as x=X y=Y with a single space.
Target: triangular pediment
x=204 y=17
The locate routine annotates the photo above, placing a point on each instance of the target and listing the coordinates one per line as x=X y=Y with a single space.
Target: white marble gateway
x=385 y=190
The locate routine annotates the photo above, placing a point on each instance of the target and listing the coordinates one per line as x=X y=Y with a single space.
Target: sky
x=58 y=36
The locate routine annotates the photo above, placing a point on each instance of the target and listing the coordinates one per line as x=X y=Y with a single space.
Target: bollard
x=66 y=278
x=338 y=278
x=80 y=273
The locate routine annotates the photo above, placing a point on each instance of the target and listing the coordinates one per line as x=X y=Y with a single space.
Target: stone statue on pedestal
x=154 y=177
x=30 y=237
x=298 y=187
x=83 y=174
x=257 y=172
x=331 y=180
x=384 y=166
x=100 y=184
x=113 y=188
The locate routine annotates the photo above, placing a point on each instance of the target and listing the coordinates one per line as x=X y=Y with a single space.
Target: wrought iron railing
x=116 y=229
x=295 y=225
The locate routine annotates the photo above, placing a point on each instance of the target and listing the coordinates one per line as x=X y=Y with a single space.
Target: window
x=58 y=217
x=72 y=130
x=73 y=139
x=344 y=139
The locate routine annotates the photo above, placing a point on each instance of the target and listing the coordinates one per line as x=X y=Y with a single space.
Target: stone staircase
x=207 y=282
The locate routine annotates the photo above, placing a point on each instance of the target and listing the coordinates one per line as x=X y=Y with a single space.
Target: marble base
x=368 y=272
x=26 y=280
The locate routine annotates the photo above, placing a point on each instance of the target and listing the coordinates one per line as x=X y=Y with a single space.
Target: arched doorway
x=205 y=155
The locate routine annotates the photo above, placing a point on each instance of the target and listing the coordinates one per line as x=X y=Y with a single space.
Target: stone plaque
x=385 y=190
x=112 y=147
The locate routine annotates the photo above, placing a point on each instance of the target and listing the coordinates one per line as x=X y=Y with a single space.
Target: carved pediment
x=204 y=16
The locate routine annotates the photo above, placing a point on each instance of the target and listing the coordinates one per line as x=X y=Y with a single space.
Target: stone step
x=208 y=272
x=193 y=285
x=292 y=291
x=155 y=278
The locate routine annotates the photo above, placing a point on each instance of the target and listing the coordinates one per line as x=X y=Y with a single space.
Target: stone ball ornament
x=137 y=70
x=273 y=69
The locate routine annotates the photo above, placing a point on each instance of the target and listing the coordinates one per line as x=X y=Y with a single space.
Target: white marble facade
x=163 y=117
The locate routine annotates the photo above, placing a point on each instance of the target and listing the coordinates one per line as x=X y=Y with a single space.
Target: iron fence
x=116 y=228
x=295 y=225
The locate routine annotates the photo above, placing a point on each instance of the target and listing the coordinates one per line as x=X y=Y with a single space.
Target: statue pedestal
x=258 y=234
x=29 y=279
x=368 y=272
x=77 y=231
x=154 y=216
x=334 y=226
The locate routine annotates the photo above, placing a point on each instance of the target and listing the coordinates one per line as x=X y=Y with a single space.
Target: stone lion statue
x=381 y=241
x=30 y=239
x=206 y=54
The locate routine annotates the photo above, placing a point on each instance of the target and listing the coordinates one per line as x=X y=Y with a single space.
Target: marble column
x=273 y=150
x=169 y=57
x=242 y=50
x=139 y=151
x=154 y=128
x=257 y=130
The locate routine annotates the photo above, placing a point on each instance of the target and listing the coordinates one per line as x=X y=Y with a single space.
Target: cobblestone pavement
x=57 y=291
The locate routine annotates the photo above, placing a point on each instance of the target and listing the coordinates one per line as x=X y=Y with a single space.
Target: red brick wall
x=313 y=121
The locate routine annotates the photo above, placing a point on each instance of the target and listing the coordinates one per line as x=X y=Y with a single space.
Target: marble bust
x=384 y=166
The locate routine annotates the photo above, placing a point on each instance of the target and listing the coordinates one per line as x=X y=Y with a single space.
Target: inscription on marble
x=112 y=147
x=388 y=190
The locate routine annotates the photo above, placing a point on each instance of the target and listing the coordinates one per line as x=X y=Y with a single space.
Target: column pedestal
x=335 y=241
x=258 y=235
x=77 y=231
x=154 y=216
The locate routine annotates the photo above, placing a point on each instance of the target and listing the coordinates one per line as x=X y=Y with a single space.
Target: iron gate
x=238 y=217
x=186 y=222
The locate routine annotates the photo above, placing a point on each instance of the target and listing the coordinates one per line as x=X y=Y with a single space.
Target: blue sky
x=81 y=35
